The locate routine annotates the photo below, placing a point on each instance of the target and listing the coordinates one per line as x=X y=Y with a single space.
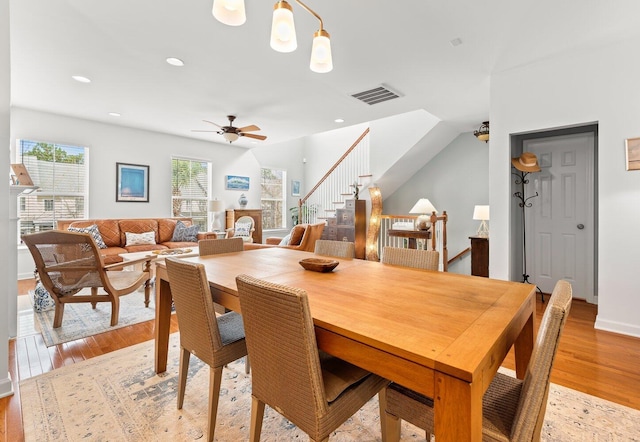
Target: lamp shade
x=216 y=205
x=229 y=12
x=481 y=213
x=423 y=206
x=321 y=61
x=283 y=30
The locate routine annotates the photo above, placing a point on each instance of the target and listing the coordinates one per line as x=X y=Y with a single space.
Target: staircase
x=343 y=181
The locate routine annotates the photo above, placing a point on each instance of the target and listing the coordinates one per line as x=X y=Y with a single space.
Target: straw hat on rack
x=527 y=162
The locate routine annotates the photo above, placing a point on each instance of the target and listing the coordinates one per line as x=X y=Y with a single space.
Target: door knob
x=580 y=226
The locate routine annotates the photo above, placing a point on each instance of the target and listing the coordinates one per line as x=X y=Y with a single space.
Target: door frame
x=515 y=218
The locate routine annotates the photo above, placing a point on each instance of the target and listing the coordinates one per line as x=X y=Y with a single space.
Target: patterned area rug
x=80 y=320
x=117 y=397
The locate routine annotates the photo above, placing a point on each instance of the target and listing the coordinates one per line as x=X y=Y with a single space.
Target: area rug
x=81 y=320
x=118 y=397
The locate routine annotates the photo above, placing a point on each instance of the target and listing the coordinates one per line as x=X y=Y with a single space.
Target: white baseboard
x=617 y=327
x=6 y=386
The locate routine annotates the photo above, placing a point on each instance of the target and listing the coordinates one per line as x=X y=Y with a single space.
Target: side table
x=479 y=256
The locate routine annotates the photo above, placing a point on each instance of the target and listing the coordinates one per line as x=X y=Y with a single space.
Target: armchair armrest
x=121 y=265
x=273 y=240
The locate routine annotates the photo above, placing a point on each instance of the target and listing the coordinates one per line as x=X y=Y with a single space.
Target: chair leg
x=215 y=379
x=247 y=365
x=94 y=294
x=183 y=371
x=257 y=413
x=391 y=430
x=115 y=310
x=59 y=313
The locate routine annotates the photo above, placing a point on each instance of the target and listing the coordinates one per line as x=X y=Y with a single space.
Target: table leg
x=457 y=409
x=524 y=346
x=163 y=321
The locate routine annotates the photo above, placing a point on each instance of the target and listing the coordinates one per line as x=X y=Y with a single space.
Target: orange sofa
x=113 y=232
x=307 y=241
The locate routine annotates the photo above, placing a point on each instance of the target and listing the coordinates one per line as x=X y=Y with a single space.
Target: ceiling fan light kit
x=231 y=133
x=229 y=12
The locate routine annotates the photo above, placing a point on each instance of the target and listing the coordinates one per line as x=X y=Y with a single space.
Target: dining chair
x=315 y=391
x=68 y=262
x=215 y=247
x=415 y=258
x=512 y=409
x=337 y=249
x=215 y=340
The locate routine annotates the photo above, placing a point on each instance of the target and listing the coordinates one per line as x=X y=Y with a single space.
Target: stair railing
x=337 y=184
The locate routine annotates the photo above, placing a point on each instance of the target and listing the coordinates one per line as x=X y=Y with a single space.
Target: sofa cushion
x=138 y=239
x=93 y=231
x=166 y=226
x=137 y=226
x=183 y=233
x=111 y=255
x=109 y=230
x=296 y=235
x=180 y=244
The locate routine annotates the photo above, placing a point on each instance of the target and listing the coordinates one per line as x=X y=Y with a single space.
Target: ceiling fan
x=232 y=133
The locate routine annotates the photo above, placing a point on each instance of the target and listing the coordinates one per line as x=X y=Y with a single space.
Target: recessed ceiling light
x=339 y=120
x=456 y=42
x=81 y=79
x=114 y=114
x=175 y=61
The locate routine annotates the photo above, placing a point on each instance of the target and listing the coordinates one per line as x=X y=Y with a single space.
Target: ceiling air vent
x=376 y=95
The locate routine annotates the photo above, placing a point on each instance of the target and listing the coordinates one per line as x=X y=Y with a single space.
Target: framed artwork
x=132 y=183
x=633 y=153
x=235 y=182
x=295 y=188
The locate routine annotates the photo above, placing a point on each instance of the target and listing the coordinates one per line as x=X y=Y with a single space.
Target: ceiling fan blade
x=214 y=131
x=211 y=122
x=257 y=137
x=251 y=128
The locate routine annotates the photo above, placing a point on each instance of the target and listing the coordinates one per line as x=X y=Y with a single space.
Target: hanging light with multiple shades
x=483 y=132
x=283 y=30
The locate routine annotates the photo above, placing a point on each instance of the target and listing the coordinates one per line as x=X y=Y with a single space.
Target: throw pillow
x=42 y=300
x=242 y=229
x=296 y=235
x=182 y=233
x=138 y=239
x=285 y=240
x=93 y=231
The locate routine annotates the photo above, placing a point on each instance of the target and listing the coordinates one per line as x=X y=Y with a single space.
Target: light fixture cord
x=310 y=11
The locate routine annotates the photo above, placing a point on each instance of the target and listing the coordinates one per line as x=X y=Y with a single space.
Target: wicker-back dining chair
x=337 y=249
x=315 y=391
x=223 y=245
x=68 y=262
x=215 y=340
x=512 y=409
x=416 y=258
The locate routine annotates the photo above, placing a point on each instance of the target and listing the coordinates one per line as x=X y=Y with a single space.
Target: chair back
x=535 y=388
x=338 y=249
x=281 y=340
x=66 y=261
x=199 y=332
x=415 y=258
x=216 y=246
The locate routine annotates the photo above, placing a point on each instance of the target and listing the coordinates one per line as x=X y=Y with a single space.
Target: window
x=273 y=198
x=62 y=174
x=190 y=190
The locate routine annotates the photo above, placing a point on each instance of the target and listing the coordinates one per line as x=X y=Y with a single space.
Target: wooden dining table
x=441 y=334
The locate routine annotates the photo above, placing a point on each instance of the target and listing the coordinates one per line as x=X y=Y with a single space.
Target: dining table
x=441 y=334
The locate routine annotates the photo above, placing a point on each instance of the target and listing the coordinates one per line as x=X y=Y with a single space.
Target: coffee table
x=193 y=251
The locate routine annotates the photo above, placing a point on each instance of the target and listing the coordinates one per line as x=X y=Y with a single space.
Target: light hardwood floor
x=599 y=363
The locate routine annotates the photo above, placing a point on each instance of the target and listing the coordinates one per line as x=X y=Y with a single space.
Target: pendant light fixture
x=483 y=132
x=229 y=12
x=283 y=36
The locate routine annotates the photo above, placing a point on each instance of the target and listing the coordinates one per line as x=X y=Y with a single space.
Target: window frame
x=265 y=217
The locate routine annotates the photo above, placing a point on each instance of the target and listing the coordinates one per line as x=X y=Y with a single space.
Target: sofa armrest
x=273 y=240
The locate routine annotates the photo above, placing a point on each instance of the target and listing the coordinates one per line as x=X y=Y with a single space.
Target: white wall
x=455 y=180
x=596 y=86
x=5 y=99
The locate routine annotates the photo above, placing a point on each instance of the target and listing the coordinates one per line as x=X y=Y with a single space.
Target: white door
x=560 y=221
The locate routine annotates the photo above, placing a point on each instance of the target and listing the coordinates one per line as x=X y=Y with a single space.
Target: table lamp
x=424 y=208
x=482 y=213
x=216 y=206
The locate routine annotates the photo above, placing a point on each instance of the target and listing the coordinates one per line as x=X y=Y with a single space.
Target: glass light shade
x=229 y=12
x=283 y=30
x=481 y=213
x=321 y=61
x=230 y=136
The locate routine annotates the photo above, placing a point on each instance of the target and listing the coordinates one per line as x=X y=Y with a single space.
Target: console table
x=412 y=235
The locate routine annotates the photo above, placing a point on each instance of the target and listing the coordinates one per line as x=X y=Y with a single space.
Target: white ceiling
x=122 y=46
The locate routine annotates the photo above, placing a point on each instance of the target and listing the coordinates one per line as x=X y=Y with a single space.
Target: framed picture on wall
x=235 y=182
x=295 y=188
x=132 y=183
x=633 y=153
